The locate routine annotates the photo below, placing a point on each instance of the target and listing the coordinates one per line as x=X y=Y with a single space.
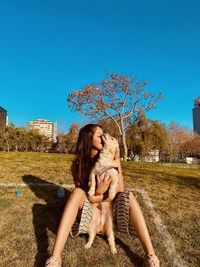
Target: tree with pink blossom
x=117 y=97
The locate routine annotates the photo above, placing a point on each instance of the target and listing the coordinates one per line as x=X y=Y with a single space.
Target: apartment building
x=45 y=127
x=196 y=115
x=3 y=118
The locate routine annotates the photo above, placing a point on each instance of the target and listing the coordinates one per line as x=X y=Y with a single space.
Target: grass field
x=28 y=222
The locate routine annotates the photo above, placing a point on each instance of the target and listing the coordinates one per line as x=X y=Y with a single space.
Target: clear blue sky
x=47 y=47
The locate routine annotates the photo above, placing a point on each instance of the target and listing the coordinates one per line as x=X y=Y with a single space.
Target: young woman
x=73 y=220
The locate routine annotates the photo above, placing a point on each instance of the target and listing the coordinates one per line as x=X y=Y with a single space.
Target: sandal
x=151 y=260
x=53 y=261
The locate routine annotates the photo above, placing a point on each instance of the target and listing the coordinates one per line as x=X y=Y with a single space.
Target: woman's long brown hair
x=83 y=163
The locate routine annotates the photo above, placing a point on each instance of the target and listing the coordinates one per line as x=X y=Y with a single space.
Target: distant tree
x=173 y=142
x=73 y=132
x=196 y=145
x=191 y=146
x=70 y=144
x=145 y=135
x=8 y=137
x=60 y=146
x=177 y=139
x=21 y=139
x=72 y=137
x=118 y=97
x=66 y=143
x=37 y=141
x=135 y=144
x=110 y=127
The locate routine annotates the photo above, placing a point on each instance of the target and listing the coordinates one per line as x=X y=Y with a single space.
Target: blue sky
x=48 y=47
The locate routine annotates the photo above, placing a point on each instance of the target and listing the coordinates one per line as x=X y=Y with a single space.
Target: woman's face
x=97 y=140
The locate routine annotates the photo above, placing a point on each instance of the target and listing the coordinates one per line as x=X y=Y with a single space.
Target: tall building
x=3 y=118
x=45 y=127
x=196 y=115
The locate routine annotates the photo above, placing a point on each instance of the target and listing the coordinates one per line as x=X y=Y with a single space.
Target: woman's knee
x=132 y=196
x=78 y=195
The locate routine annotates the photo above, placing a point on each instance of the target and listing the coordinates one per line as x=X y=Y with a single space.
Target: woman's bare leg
x=74 y=203
x=139 y=223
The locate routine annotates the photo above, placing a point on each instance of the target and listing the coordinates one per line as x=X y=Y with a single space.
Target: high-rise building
x=45 y=127
x=196 y=115
x=3 y=118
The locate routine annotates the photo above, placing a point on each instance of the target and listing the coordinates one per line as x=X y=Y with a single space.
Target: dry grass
x=28 y=222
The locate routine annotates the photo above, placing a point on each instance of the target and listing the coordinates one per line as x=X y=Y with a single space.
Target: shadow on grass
x=135 y=259
x=46 y=217
x=129 y=253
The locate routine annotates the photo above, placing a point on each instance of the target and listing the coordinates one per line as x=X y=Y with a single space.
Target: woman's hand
x=103 y=186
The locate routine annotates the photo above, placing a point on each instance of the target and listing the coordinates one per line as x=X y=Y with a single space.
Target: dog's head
x=111 y=145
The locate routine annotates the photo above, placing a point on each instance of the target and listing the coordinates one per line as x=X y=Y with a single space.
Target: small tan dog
x=102 y=212
x=106 y=162
x=102 y=222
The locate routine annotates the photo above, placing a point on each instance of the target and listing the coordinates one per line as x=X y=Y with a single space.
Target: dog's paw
x=111 y=195
x=114 y=250
x=88 y=245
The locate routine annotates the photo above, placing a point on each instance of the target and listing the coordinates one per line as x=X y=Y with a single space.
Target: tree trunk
x=7 y=146
x=124 y=140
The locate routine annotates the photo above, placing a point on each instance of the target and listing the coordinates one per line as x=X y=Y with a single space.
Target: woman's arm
x=104 y=184
x=96 y=199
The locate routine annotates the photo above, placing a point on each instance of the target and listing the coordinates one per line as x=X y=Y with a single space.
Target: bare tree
x=118 y=97
x=178 y=137
x=191 y=146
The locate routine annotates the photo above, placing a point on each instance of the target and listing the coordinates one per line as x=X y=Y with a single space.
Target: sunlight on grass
x=32 y=218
